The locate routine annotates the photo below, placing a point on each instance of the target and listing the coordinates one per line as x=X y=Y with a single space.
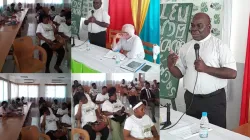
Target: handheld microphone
x=196 y=49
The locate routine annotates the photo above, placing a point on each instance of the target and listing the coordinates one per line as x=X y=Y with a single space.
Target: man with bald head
x=97 y=21
x=129 y=44
x=204 y=79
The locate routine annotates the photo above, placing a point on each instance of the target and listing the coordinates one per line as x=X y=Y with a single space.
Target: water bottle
x=117 y=59
x=204 y=125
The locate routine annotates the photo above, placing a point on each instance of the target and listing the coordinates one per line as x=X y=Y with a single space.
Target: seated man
x=46 y=33
x=114 y=109
x=19 y=6
x=93 y=91
x=38 y=6
x=59 y=18
x=62 y=111
x=12 y=8
x=18 y=102
x=7 y=12
x=88 y=113
x=78 y=91
x=23 y=101
x=13 y=106
x=65 y=29
x=139 y=125
x=147 y=95
x=49 y=122
x=75 y=85
x=55 y=105
x=66 y=119
x=101 y=98
x=4 y=110
x=129 y=44
x=52 y=12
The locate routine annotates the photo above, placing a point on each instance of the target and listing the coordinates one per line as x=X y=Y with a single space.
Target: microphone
x=196 y=49
x=168 y=122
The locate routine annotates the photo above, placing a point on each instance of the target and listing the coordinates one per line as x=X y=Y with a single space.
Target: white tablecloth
x=217 y=132
x=94 y=59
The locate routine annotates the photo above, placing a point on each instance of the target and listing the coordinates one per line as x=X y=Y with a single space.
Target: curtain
x=117 y=78
x=14 y=91
x=59 y=4
x=143 y=4
x=98 y=78
x=246 y=85
x=151 y=28
x=120 y=13
x=1 y=5
x=3 y=91
x=29 y=92
x=55 y=92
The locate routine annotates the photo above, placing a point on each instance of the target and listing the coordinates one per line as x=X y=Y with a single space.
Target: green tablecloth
x=77 y=67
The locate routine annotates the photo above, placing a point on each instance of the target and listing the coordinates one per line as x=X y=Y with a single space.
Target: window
x=14 y=91
x=21 y=1
x=28 y=91
x=1 y=3
x=93 y=77
x=119 y=76
x=3 y=90
x=53 y=1
x=55 y=91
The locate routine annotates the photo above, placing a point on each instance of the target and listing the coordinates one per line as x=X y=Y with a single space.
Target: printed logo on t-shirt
x=117 y=106
x=147 y=131
x=89 y=110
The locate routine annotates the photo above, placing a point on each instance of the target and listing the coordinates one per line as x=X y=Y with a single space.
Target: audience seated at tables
x=18 y=102
x=102 y=97
x=23 y=101
x=62 y=111
x=139 y=125
x=46 y=33
x=52 y=12
x=115 y=110
x=4 y=109
x=87 y=112
x=93 y=91
x=49 y=122
x=129 y=44
x=59 y=18
x=19 y=7
x=13 y=106
x=7 y=12
x=12 y=8
x=149 y=97
x=66 y=118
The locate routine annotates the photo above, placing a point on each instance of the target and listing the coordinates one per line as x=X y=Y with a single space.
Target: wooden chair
x=32 y=133
x=24 y=56
x=81 y=132
x=112 y=34
x=149 y=45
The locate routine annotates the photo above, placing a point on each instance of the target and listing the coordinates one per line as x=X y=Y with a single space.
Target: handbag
x=98 y=126
x=59 y=42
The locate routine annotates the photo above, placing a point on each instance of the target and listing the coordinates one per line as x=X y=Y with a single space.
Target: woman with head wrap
x=129 y=44
x=139 y=126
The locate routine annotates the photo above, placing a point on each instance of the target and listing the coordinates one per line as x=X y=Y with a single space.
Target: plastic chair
x=32 y=133
x=24 y=56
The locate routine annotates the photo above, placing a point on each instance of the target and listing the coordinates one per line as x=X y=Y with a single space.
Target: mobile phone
x=146 y=68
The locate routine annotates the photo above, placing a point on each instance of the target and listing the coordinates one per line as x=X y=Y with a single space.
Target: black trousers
x=98 y=39
x=214 y=104
x=92 y=133
x=60 y=51
x=52 y=137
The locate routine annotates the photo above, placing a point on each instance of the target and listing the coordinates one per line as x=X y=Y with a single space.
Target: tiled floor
x=30 y=30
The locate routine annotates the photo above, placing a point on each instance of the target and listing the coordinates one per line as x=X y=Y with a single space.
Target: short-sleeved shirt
x=66 y=119
x=88 y=112
x=58 y=19
x=50 y=122
x=46 y=30
x=101 y=97
x=100 y=15
x=112 y=107
x=215 y=54
x=139 y=128
x=60 y=111
x=65 y=29
x=133 y=45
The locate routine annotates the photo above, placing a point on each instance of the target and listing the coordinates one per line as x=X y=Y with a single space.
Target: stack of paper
x=112 y=55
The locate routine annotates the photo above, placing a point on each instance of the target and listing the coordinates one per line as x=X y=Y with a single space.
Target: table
x=11 y=127
x=217 y=133
x=8 y=35
x=243 y=129
x=93 y=60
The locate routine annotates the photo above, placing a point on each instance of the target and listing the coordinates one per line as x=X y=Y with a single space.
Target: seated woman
x=66 y=119
x=46 y=33
x=49 y=122
x=129 y=44
x=62 y=111
x=4 y=110
x=88 y=113
x=139 y=126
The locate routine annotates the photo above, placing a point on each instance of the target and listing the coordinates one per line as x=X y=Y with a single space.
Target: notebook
x=133 y=65
x=112 y=55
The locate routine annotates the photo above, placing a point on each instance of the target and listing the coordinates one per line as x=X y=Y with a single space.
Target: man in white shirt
x=88 y=113
x=97 y=23
x=59 y=18
x=129 y=44
x=46 y=33
x=66 y=119
x=139 y=125
x=101 y=98
x=62 y=111
x=204 y=79
x=64 y=29
x=136 y=82
x=114 y=109
x=93 y=91
x=49 y=122
x=80 y=91
x=52 y=12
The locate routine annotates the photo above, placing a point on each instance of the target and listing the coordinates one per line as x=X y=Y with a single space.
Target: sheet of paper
x=113 y=55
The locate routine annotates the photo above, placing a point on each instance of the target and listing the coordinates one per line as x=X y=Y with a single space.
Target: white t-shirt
x=58 y=19
x=65 y=29
x=52 y=13
x=139 y=128
x=101 y=16
x=109 y=107
x=66 y=119
x=215 y=54
x=50 y=122
x=88 y=97
x=101 y=97
x=133 y=45
x=46 y=30
x=61 y=111
x=93 y=91
x=88 y=112
x=123 y=85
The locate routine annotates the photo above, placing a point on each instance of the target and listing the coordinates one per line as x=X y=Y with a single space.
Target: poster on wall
x=86 y=6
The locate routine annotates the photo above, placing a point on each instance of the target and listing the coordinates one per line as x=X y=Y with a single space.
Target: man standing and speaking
x=204 y=75
x=97 y=21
